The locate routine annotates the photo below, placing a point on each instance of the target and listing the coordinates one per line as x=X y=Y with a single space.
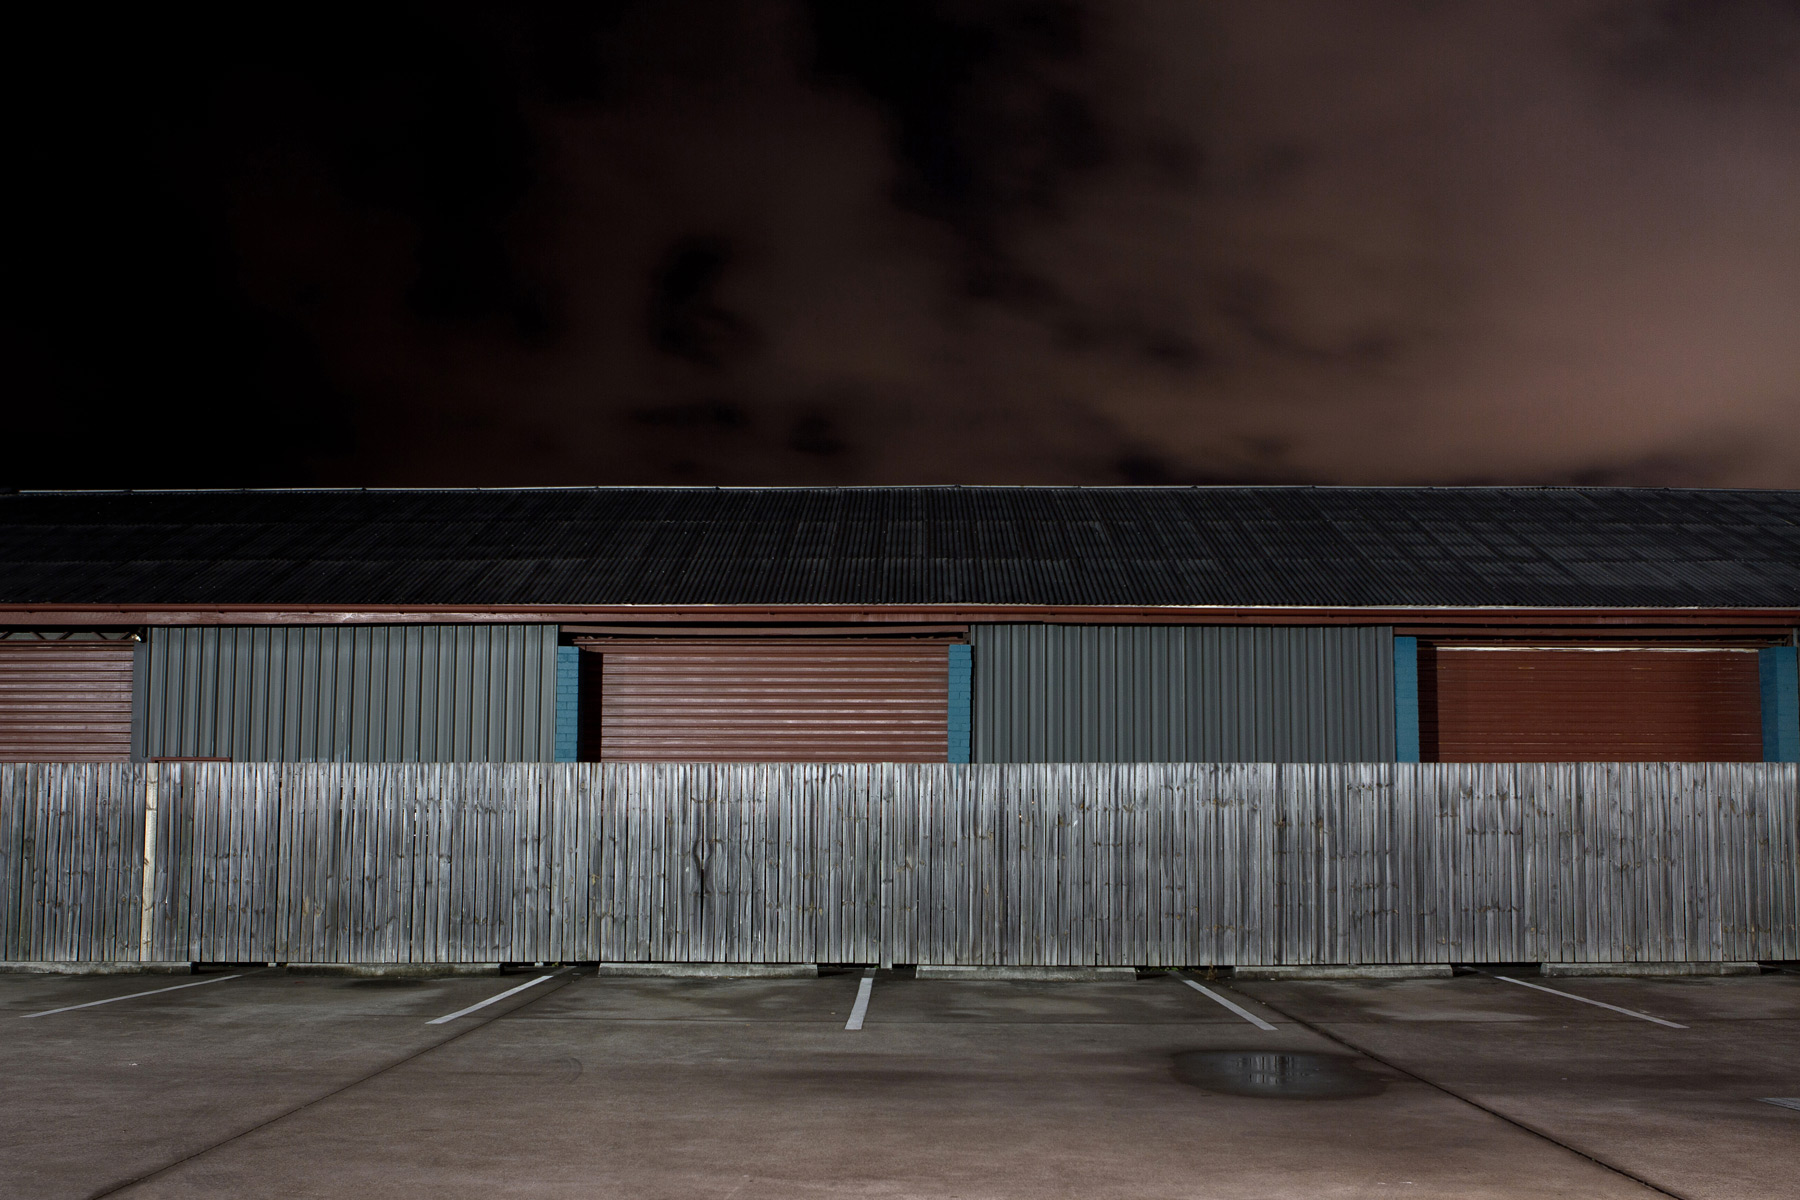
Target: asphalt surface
x=275 y=1084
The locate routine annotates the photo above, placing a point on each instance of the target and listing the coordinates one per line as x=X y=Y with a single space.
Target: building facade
x=988 y=625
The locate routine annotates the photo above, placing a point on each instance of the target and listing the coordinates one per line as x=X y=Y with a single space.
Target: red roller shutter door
x=65 y=701
x=795 y=701
x=1573 y=705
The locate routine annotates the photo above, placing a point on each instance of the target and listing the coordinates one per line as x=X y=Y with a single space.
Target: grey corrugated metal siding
x=1161 y=693
x=376 y=693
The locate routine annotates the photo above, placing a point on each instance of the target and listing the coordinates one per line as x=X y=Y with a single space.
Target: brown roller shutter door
x=794 y=701
x=65 y=701
x=1570 y=705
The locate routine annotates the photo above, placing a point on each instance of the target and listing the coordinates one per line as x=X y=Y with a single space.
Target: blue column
x=1406 y=699
x=1780 y=704
x=961 y=664
x=568 y=702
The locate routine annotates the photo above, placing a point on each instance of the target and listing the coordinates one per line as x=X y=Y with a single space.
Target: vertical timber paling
x=1043 y=864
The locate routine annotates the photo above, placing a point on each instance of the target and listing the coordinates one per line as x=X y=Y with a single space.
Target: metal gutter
x=102 y=615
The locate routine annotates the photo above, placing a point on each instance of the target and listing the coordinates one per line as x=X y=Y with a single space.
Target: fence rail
x=1148 y=864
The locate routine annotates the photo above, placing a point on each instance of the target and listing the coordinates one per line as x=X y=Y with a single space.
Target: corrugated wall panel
x=961 y=679
x=383 y=693
x=1573 y=705
x=789 y=701
x=65 y=701
x=1100 y=693
x=568 y=704
x=1777 y=672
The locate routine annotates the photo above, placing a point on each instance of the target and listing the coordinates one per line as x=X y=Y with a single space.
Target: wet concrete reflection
x=1278 y=1075
x=386 y=982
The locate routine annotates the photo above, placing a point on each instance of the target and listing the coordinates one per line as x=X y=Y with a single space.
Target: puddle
x=1277 y=1076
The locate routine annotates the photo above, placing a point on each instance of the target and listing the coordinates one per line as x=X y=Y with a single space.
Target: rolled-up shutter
x=65 y=701
x=1506 y=704
x=747 y=700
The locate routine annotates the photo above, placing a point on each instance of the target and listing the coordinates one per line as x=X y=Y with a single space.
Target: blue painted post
x=1406 y=699
x=1780 y=704
x=568 y=702
x=961 y=678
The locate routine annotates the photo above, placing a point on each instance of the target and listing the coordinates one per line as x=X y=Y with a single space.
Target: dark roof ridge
x=1284 y=545
x=891 y=487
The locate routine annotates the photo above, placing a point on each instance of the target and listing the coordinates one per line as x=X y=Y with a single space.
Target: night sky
x=906 y=241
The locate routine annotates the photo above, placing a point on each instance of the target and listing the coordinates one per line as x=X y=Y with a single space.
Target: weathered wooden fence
x=1176 y=864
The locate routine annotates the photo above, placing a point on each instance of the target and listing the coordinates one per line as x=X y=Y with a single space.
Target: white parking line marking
x=1538 y=987
x=861 y=1007
x=1792 y=1102
x=115 y=999
x=1242 y=1012
x=463 y=1012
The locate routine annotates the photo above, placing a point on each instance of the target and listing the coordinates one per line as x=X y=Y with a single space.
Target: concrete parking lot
x=273 y=1083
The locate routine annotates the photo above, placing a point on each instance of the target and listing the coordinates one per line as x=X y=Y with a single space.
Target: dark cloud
x=980 y=118
x=1714 y=47
x=720 y=414
x=813 y=433
x=686 y=318
x=807 y=241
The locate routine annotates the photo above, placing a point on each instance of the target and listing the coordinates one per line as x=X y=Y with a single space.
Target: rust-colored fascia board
x=102 y=615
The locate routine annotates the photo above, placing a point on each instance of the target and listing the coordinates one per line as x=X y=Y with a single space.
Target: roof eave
x=104 y=615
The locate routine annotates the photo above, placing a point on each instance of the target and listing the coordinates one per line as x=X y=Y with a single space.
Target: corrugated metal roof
x=1534 y=547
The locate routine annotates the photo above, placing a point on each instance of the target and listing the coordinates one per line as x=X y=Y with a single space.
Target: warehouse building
x=924 y=624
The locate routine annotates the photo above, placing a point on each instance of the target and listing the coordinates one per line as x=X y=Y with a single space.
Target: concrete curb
x=1029 y=974
x=709 y=970
x=392 y=970
x=1345 y=971
x=1651 y=970
x=96 y=968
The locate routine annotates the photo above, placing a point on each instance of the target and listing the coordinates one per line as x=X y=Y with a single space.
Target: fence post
x=147 y=909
